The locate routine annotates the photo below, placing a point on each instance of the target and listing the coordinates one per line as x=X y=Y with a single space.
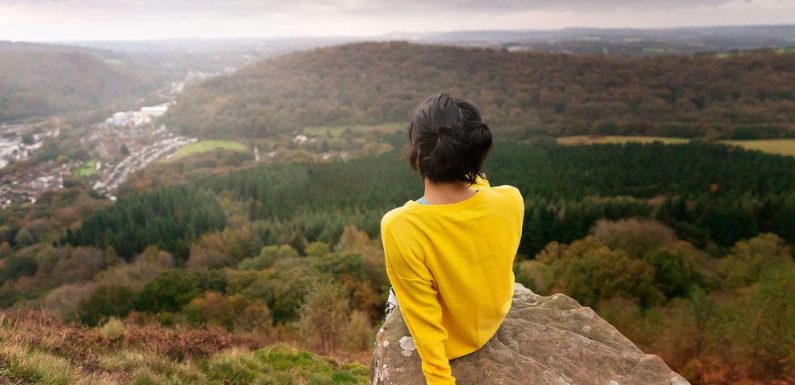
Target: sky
x=69 y=20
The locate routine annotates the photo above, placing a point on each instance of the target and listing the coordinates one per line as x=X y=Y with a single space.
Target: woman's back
x=450 y=263
x=451 y=267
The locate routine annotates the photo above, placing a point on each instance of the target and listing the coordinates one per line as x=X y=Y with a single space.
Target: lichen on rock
x=543 y=340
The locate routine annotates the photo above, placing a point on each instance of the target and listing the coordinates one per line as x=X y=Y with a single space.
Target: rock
x=543 y=340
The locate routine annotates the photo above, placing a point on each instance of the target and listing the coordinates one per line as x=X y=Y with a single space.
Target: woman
x=449 y=254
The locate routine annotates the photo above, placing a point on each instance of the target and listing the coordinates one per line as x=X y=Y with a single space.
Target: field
x=579 y=140
x=770 y=146
x=773 y=146
x=337 y=131
x=87 y=169
x=209 y=145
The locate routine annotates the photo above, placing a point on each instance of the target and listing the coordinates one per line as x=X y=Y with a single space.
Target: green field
x=209 y=145
x=86 y=169
x=114 y=61
x=337 y=131
x=579 y=140
x=773 y=146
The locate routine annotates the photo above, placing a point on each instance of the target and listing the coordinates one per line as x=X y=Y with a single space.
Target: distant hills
x=745 y=95
x=42 y=80
x=620 y=40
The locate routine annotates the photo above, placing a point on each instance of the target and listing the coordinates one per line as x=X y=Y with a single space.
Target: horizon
x=402 y=36
x=48 y=21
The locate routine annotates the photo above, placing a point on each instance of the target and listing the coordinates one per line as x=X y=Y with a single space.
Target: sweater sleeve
x=419 y=303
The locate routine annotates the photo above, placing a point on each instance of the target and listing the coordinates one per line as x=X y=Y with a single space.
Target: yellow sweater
x=451 y=268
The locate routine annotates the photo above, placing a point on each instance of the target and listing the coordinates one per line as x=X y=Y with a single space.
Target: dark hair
x=448 y=140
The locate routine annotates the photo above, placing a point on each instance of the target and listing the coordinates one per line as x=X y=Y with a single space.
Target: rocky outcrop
x=543 y=340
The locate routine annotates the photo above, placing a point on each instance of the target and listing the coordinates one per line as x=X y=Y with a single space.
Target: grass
x=38 y=349
x=209 y=145
x=281 y=365
x=579 y=140
x=773 y=146
x=337 y=131
x=86 y=169
x=114 y=61
x=26 y=365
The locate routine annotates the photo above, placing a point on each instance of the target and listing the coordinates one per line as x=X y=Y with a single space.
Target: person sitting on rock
x=449 y=255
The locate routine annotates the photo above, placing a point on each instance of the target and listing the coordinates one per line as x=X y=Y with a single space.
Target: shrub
x=748 y=258
x=168 y=292
x=106 y=301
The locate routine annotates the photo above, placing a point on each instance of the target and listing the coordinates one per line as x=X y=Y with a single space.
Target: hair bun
x=448 y=139
x=446 y=130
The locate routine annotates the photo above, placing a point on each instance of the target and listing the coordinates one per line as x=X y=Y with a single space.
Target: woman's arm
x=419 y=303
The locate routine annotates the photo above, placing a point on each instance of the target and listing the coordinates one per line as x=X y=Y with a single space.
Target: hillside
x=37 y=348
x=651 y=41
x=747 y=95
x=686 y=249
x=36 y=82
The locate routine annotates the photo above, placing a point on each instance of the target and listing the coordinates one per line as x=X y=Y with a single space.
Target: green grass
x=24 y=365
x=209 y=145
x=337 y=131
x=773 y=146
x=578 y=140
x=281 y=365
x=114 y=61
x=86 y=169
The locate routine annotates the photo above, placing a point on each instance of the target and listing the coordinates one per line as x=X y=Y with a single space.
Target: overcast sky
x=53 y=20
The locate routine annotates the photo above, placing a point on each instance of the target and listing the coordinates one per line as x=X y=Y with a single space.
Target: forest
x=37 y=83
x=741 y=95
x=686 y=249
x=712 y=195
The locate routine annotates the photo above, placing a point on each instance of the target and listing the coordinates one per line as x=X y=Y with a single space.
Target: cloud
x=364 y=6
x=149 y=19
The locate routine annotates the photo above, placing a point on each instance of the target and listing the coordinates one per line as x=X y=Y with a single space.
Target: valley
x=210 y=211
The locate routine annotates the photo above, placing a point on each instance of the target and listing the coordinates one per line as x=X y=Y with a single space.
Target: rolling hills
x=42 y=81
x=739 y=96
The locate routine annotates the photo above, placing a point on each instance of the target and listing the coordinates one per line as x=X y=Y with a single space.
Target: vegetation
x=777 y=146
x=169 y=218
x=665 y=295
x=209 y=145
x=38 y=83
x=355 y=129
x=692 y=231
x=86 y=169
x=37 y=348
x=230 y=270
x=738 y=97
x=771 y=146
x=578 y=140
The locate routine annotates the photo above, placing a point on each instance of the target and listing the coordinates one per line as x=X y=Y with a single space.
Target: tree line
x=747 y=95
x=712 y=195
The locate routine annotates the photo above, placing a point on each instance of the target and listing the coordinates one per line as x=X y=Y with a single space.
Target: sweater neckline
x=477 y=196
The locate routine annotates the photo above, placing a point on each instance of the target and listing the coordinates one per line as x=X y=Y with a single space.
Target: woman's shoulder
x=510 y=195
x=507 y=190
x=394 y=216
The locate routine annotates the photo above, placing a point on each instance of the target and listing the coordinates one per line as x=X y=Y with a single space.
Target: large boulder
x=544 y=340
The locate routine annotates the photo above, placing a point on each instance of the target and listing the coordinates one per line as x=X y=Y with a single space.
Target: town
x=123 y=143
